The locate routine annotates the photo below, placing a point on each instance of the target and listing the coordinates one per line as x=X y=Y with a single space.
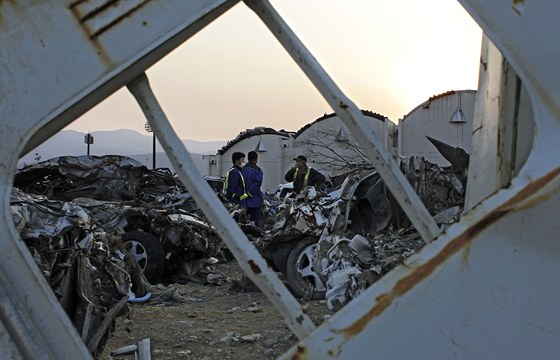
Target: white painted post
x=246 y=254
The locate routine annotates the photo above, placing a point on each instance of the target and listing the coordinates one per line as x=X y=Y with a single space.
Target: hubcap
x=306 y=273
x=138 y=251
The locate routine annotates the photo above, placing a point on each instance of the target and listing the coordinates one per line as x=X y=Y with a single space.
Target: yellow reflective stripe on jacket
x=242 y=197
x=305 y=177
x=224 y=190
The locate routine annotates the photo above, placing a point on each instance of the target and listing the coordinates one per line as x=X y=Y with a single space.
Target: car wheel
x=148 y=252
x=301 y=276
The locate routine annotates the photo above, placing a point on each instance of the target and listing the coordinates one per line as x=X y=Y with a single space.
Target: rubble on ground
x=357 y=232
x=77 y=215
x=90 y=276
x=122 y=196
x=367 y=235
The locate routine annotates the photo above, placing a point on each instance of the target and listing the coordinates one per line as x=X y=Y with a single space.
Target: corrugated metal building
x=326 y=141
x=446 y=117
x=331 y=148
x=267 y=142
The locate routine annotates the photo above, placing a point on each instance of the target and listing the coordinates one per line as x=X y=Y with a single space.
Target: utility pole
x=148 y=128
x=88 y=139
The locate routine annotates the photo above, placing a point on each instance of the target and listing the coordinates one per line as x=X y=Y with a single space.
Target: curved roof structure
x=327 y=116
x=261 y=130
x=426 y=104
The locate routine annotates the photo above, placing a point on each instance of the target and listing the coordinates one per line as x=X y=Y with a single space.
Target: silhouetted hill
x=117 y=142
x=162 y=161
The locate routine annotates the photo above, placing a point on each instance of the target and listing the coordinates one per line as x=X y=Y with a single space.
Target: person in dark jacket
x=302 y=175
x=253 y=176
x=234 y=187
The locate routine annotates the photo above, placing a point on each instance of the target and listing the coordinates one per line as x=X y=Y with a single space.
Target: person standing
x=234 y=187
x=302 y=175
x=253 y=176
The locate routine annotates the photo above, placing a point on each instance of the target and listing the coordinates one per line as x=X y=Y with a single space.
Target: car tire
x=148 y=252
x=300 y=274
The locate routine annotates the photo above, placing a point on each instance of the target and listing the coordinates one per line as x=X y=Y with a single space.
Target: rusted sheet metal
x=471 y=292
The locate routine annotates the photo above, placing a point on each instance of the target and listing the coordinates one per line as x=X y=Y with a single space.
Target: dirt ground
x=213 y=322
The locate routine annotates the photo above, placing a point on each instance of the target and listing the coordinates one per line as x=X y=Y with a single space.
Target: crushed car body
x=368 y=234
x=150 y=210
x=90 y=275
x=334 y=245
x=108 y=178
x=101 y=229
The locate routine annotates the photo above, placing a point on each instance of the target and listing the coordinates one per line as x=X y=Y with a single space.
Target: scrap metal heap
x=91 y=277
x=367 y=234
x=74 y=213
x=356 y=232
x=108 y=178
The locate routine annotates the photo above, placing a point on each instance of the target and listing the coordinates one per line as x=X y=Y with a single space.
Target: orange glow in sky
x=388 y=56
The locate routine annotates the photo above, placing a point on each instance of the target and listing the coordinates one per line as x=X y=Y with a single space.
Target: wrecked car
x=150 y=210
x=290 y=242
x=89 y=274
x=333 y=247
x=107 y=178
x=367 y=233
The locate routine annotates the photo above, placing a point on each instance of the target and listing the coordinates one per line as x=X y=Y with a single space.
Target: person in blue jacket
x=234 y=187
x=253 y=176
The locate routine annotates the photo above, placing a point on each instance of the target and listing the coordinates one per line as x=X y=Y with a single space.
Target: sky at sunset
x=388 y=56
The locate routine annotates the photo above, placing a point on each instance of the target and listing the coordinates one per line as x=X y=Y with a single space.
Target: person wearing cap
x=253 y=176
x=234 y=187
x=302 y=175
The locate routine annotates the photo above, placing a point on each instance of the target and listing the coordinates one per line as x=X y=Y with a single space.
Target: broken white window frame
x=536 y=185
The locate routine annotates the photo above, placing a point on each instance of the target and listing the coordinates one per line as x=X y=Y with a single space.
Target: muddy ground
x=228 y=321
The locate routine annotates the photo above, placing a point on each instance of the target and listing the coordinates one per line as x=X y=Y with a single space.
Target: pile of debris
x=101 y=229
x=149 y=209
x=108 y=178
x=368 y=235
x=333 y=246
x=89 y=274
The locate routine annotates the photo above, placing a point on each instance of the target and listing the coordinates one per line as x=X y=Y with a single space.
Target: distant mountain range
x=117 y=142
